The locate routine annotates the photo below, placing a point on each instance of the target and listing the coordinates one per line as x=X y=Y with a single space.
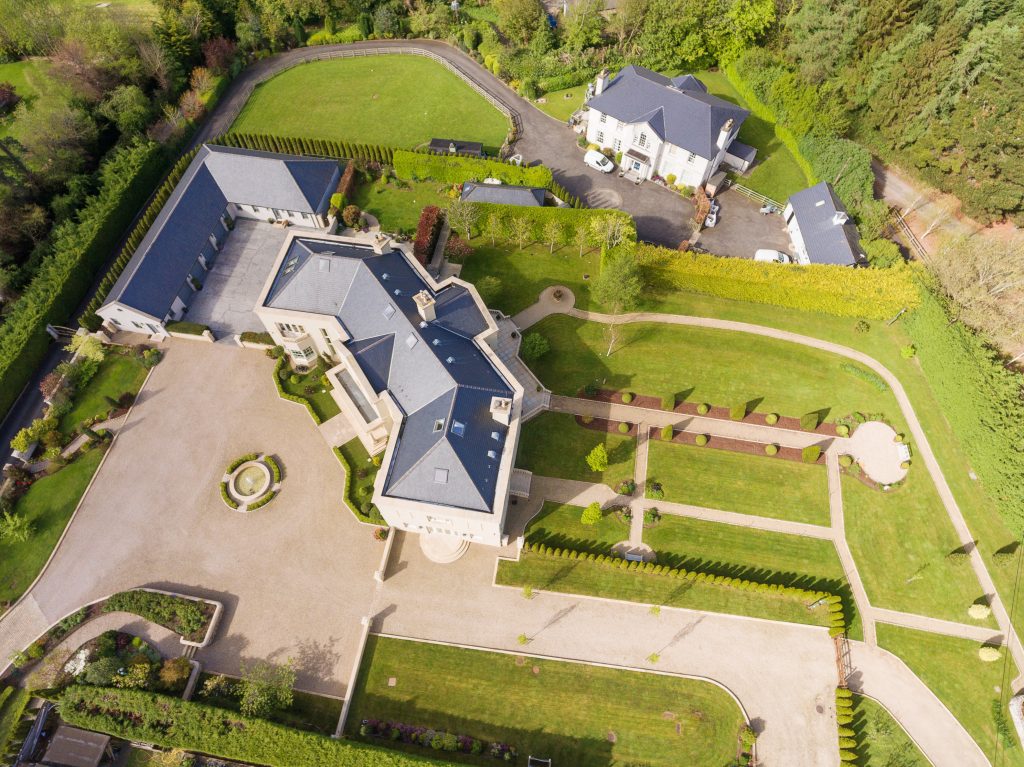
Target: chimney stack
x=501 y=409
x=601 y=82
x=723 y=135
x=381 y=244
x=425 y=306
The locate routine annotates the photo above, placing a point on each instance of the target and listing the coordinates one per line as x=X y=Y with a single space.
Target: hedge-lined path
x=923 y=448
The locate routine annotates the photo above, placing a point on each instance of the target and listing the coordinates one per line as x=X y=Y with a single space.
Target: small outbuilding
x=503 y=194
x=72 y=747
x=454 y=146
x=820 y=228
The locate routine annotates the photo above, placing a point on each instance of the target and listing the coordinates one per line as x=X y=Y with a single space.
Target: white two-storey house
x=666 y=126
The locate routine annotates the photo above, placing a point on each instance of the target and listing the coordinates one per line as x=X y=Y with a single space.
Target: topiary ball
x=843 y=430
x=846 y=461
x=771 y=418
x=294 y=378
x=771 y=449
x=701 y=439
x=623 y=428
x=627 y=397
x=703 y=408
x=905 y=465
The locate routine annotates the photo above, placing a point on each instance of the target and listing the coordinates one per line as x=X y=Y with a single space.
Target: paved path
x=923 y=447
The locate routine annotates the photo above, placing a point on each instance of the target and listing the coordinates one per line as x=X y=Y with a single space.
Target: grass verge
x=554 y=445
x=572 y=713
x=118 y=374
x=882 y=741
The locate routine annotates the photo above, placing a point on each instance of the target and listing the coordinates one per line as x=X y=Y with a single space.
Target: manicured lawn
x=31 y=80
x=748 y=484
x=525 y=273
x=561 y=104
x=398 y=208
x=554 y=445
x=593 y=579
x=559 y=525
x=963 y=682
x=564 y=711
x=117 y=374
x=360 y=487
x=48 y=505
x=401 y=101
x=775 y=173
x=884 y=743
x=704 y=365
x=321 y=400
x=900 y=539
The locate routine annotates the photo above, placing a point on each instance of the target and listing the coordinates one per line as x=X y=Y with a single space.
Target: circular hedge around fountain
x=251 y=482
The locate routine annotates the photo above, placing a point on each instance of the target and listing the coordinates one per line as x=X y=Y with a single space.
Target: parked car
x=768 y=209
x=715 y=205
x=598 y=161
x=711 y=219
x=773 y=256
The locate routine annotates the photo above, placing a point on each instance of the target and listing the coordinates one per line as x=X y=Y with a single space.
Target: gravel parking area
x=742 y=229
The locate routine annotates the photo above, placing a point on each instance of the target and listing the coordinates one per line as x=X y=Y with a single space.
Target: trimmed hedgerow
x=174 y=723
x=244 y=459
x=226 y=496
x=810 y=454
x=417 y=166
x=339 y=150
x=189 y=328
x=252 y=337
x=281 y=362
x=834 y=602
x=183 y=616
x=263 y=501
x=427 y=231
x=666 y=433
x=13 y=703
x=867 y=376
x=835 y=290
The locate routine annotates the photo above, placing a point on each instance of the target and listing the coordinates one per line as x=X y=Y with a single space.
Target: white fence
x=730 y=184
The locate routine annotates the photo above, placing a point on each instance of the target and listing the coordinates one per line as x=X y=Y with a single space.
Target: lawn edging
x=349 y=501
x=298 y=400
x=566 y=659
x=74 y=513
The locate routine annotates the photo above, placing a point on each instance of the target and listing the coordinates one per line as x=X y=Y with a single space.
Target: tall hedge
x=456 y=170
x=980 y=398
x=174 y=723
x=536 y=218
x=841 y=291
x=78 y=249
x=340 y=150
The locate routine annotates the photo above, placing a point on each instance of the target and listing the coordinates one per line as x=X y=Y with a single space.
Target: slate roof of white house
x=826 y=241
x=679 y=109
x=504 y=194
x=218 y=175
x=439 y=377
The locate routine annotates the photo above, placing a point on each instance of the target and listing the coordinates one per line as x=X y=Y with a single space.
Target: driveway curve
x=661 y=216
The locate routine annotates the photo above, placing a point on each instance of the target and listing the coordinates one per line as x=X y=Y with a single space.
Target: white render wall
x=799 y=248
x=308 y=220
x=126 y=318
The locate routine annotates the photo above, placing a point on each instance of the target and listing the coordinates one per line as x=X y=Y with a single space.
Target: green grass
x=900 y=539
x=139 y=757
x=117 y=374
x=559 y=525
x=561 y=104
x=321 y=400
x=481 y=13
x=398 y=208
x=717 y=366
x=564 y=711
x=554 y=445
x=883 y=742
x=315 y=713
x=592 y=579
x=963 y=682
x=360 y=489
x=31 y=80
x=401 y=101
x=48 y=505
x=145 y=9
x=525 y=273
x=748 y=484
x=776 y=173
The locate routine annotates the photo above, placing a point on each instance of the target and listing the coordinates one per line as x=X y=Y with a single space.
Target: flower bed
x=438 y=740
x=188 y=617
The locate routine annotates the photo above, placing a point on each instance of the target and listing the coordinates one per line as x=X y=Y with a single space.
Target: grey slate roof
x=435 y=371
x=679 y=109
x=504 y=194
x=742 y=151
x=72 y=747
x=218 y=175
x=826 y=241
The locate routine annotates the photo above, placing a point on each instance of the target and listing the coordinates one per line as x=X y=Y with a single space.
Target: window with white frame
x=642 y=141
x=600 y=137
x=617 y=145
x=604 y=119
x=692 y=157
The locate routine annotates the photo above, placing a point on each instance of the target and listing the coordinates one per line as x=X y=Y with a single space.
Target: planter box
x=218 y=608
x=206 y=336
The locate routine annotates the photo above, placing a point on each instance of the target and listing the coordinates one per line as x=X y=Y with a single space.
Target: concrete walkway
x=923 y=448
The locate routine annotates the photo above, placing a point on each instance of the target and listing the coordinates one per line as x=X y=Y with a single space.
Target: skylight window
x=492 y=455
x=324 y=265
x=410 y=341
x=439 y=424
x=389 y=311
x=441 y=476
x=458 y=428
x=495 y=436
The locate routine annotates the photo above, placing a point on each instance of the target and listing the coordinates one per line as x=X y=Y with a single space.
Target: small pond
x=250 y=481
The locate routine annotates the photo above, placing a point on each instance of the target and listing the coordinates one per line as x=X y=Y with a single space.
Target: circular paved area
x=874 y=447
x=443 y=549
